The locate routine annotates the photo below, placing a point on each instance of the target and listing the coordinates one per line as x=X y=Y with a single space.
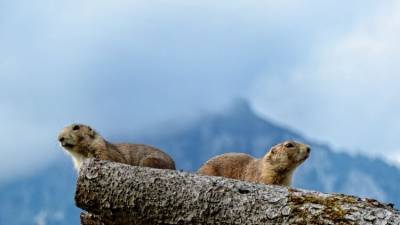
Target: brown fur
x=276 y=167
x=81 y=141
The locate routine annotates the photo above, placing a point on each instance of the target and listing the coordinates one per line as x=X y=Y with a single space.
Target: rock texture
x=89 y=219
x=116 y=194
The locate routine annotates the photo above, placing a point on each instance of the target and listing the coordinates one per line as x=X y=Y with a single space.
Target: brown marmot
x=81 y=142
x=276 y=167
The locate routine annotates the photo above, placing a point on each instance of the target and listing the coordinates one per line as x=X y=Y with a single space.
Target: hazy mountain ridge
x=47 y=198
x=44 y=198
x=241 y=130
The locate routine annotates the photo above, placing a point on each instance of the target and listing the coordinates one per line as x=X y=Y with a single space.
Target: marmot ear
x=92 y=133
x=269 y=154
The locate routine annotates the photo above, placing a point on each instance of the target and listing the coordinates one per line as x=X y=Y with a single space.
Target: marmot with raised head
x=81 y=142
x=276 y=167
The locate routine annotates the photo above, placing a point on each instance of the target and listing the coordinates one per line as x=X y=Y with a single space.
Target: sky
x=327 y=69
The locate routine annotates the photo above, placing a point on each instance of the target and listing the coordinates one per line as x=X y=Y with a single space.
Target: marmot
x=276 y=167
x=81 y=142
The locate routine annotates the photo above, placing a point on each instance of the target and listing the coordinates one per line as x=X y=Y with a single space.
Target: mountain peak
x=240 y=107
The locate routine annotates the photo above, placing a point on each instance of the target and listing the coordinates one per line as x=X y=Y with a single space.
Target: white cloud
x=127 y=65
x=347 y=92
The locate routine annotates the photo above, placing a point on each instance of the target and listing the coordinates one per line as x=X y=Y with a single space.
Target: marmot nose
x=308 y=149
x=61 y=139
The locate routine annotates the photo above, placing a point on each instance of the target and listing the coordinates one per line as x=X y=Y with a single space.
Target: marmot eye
x=76 y=127
x=289 y=145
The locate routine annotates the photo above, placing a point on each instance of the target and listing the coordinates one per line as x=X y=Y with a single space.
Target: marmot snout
x=81 y=142
x=78 y=139
x=276 y=167
x=287 y=155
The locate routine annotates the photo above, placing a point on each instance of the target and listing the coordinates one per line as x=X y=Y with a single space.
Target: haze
x=327 y=69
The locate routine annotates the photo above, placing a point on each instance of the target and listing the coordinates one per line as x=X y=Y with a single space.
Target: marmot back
x=222 y=165
x=276 y=167
x=81 y=142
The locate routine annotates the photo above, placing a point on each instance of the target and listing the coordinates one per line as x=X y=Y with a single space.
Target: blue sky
x=327 y=69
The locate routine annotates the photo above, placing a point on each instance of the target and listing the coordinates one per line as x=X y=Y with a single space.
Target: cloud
x=129 y=65
x=121 y=66
x=347 y=92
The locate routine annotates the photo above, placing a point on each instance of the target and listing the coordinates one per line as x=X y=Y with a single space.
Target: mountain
x=47 y=197
x=44 y=198
x=241 y=130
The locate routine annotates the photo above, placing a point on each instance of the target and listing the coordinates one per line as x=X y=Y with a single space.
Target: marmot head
x=77 y=138
x=286 y=156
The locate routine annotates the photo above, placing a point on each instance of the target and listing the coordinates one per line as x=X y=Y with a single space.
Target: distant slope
x=241 y=130
x=47 y=198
